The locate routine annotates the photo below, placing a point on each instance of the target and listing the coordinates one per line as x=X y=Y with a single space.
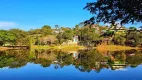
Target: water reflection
x=84 y=60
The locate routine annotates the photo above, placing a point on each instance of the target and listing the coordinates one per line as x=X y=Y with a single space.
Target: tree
x=60 y=39
x=133 y=38
x=48 y=39
x=119 y=39
x=6 y=37
x=67 y=34
x=135 y=60
x=132 y=28
x=110 y=11
x=46 y=30
x=76 y=29
x=22 y=37
x=35 y=31
x=139 y=39
x=88 y=60
x=88 y=36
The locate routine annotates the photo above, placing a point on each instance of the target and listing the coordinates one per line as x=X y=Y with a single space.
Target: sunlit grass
x=114 y=48
x=4 y=48
x=61 y=47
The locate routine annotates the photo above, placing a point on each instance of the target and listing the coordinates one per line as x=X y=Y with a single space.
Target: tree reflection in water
x=83 y=60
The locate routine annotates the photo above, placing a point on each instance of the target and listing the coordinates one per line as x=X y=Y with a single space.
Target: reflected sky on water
x=72 y=65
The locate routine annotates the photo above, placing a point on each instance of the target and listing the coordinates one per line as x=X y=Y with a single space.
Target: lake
x=71 y=65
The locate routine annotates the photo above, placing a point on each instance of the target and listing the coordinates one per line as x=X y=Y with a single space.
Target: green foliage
x=67 y=34
x=134 y=38
x=22 y=37
x=6 y=37
x=139 y=42
x=48 y=40
x=43 y=62
x=46 y=30
x=110 y=11
x=119 y=39
x=35 y=31
x=88 y=36
x=89 y=60
x=136 y=59
x=83 y=60
x=132 y=28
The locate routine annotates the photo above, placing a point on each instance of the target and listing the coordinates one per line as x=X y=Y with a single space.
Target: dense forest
x=86 y=35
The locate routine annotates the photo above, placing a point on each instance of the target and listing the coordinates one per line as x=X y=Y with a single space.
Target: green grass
x=64 y=47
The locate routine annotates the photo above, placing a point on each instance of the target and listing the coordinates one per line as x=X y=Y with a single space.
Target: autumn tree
x=49 y=39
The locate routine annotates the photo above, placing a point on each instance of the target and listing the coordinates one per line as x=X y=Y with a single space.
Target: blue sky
x=31 y=14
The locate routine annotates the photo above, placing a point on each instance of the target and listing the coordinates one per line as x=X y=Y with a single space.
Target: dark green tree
x=22 y=37
x=110 y=11
x=6 y=37
x=46 y=30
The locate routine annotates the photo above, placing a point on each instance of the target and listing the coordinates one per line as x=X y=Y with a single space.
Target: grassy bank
x=100 y=48
x=64 y=47
x=114 y=48
x=4 y=48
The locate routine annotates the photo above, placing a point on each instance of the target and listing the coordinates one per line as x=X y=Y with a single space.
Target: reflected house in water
x=75 y=54
x=118 y=65
x=84 y=61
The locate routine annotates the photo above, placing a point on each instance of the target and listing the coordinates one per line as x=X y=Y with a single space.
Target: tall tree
x=22 y=37
x=46 y=30
x=67 y=34
x=110 y=11
x=6 y=37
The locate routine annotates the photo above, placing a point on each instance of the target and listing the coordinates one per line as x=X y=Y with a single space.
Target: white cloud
x=121 y=69
x=7 y=25
x=4 y=68
x=107 y=24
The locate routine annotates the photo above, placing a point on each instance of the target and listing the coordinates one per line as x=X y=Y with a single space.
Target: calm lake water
x=72 y=65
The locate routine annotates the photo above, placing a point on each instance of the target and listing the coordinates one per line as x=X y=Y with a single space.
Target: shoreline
x=5 y=48
x=61 y=47
x=115 y=48
x=77 y=47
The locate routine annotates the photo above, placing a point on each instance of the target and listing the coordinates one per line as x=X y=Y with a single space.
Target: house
x=57 y=31
x=74 y=41
x=118 y=30
x=97 y=29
